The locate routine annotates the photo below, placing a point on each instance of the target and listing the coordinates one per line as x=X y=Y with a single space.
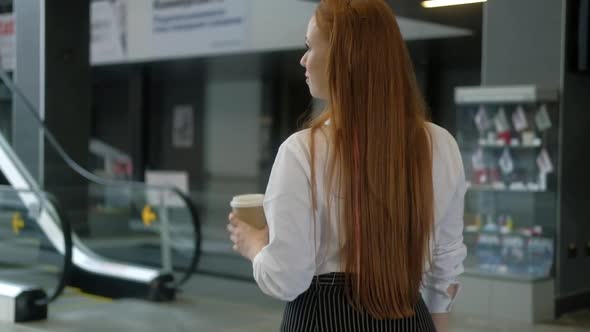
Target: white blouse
x=298 y=248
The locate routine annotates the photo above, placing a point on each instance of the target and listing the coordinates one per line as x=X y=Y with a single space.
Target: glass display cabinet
x=508 y=137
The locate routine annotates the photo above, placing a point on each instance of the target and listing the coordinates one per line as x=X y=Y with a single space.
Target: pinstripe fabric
x=323 y=308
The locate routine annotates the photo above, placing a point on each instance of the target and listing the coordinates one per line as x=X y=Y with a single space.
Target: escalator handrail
x=193 y=212
x=197 y=238
x=66 y=229
x=68 y=243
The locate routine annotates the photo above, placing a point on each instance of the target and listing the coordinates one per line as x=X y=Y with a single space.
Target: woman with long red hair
x=364 y=207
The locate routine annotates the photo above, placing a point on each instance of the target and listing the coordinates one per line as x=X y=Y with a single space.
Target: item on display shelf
x=514 y=141
x=490 y=226
x=525 y=231
x=508 y=226
x=501 y=121
x=502 y=127
x=540 y=256
x=506 y=163
x=510 y=223
x=542 y=119
x=479 y=171
x=532 y=186
x=504 y=230
x=492 y=138
x=482 y=121
x=478 y=221
x=476 y=226
x=519 y=120
x=528 y=138
x=498 y=185
x=513 y=254
x=531 y=231
x=488 y=252
x=517 y=186
x=544 y=162
x=504 y=138
x=480 y=176
x=477 y=160
x=537 y=230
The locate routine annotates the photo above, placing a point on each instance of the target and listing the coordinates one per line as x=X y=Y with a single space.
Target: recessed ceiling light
x=443 y=3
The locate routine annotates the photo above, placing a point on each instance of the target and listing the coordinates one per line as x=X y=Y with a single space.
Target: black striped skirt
x=324 y=308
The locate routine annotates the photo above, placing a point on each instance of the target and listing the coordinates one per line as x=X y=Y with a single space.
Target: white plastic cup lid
x=247 y=201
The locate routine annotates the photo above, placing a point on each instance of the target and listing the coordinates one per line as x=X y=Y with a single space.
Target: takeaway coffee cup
x=249 y=209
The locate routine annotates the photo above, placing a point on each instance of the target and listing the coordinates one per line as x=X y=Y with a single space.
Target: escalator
x=33 y=270
x=130 y=239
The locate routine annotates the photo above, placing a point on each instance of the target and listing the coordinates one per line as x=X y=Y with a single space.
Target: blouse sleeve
x=285 y=267
x=448 y=251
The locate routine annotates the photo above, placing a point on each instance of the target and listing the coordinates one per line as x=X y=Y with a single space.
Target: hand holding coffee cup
x=249 y=208
x=247 y=226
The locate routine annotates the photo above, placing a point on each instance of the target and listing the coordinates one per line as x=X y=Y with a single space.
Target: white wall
x=232 y=115
x=279 y=24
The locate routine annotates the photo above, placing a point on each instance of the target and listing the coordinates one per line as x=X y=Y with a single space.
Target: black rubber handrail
x=66 y=230
x=13 y=88
x=197 y=238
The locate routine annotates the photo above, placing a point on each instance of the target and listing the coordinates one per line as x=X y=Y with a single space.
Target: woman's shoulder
x=301 y=140
x=447 y=161
x=439 y=134
x=442 y=140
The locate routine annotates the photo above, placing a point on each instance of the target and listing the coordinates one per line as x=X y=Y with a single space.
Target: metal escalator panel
x=150 y=227
x=84 y=260
x=33 y=269
x=130 y=239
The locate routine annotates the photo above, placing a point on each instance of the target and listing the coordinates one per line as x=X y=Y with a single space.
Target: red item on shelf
x=480 y=176
x=505 y=136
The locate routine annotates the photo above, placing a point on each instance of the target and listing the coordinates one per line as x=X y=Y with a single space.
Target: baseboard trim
x=571 y=303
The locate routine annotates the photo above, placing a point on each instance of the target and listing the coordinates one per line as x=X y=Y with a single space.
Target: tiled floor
x=207 y=304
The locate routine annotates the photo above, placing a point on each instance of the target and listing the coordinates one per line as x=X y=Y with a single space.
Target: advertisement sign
x=183 y=126
x=189 y=27
x=108 y=28
x=126 y=31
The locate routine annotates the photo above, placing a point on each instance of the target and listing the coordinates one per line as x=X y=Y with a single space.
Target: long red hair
x=380 y=160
